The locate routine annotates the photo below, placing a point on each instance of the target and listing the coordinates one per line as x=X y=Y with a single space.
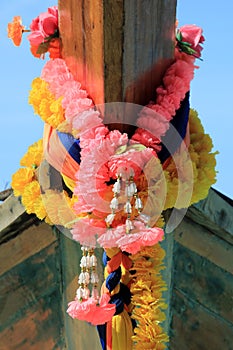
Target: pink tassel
x=91 y=312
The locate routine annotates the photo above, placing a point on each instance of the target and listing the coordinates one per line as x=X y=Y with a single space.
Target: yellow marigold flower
x=57 y=113
x=15 y=30
x=30 y=195
x=39 y=208
x=33 y=157
x=37 y=93
x=21 y=178
x=45 y=105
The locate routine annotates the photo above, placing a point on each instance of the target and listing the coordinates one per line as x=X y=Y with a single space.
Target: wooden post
x=119 y=51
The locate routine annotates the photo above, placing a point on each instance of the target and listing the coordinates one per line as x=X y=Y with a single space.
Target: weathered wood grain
x=30 y=303
x=10 y=211
x=26 y=244
x=214 y=213
x=195 y=327
x=118 y=50
x=198 y=239
x=81 y=30
x=202 y=281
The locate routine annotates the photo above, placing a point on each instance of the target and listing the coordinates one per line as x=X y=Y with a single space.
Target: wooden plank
x=81 y=30
x=78 y=334
x=28 y=243
x=27 y=282
x=194 y=327
x=201 y=241
x=214 y=213
x=30 y=301
x=10 y=210
x=203 y=282
x=38 y=329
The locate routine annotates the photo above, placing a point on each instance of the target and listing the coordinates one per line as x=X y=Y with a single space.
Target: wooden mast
x=119 y=51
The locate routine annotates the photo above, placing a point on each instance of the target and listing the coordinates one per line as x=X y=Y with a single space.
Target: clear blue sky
x=211 y=89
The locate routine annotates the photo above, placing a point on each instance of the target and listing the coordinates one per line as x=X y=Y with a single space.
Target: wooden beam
x=203 y=281
x=216 y=214
x=198 y=239
x=118 y=50
x=28 y=243
x=195 y=327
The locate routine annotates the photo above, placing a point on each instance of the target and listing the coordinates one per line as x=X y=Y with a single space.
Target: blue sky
x=211 y=89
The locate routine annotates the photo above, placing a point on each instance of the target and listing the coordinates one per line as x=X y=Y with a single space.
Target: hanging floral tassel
x=92 y=309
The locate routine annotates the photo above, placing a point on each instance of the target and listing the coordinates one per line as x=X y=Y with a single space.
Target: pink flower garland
x=100 y=160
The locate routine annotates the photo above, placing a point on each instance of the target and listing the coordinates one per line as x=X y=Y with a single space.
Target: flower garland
x=147 y=297
x=26 y=185
x=24 y=181
x=120 y=186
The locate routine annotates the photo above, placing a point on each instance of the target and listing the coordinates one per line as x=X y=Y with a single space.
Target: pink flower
x=111 y=236
x=85 y=231
x=82 y=310
x=132 y=158
x=192 y=34
x=143 y=237
x=154 y=119
x=43 y=26
x=56 y=74
x=86 y=120
x=89 y=311
x=145 y=138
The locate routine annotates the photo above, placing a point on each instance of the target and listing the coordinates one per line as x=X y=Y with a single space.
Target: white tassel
x=94 y=277
x=84 y=278
x=114 y=203
x=95 y=293
x=109 y=219
x=128 y=208
x=129 y=225
x=82 y=293
x=93 y=261
x=138 y=204
x=117 y=187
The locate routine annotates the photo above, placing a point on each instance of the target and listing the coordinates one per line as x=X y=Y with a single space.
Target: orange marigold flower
x=15 y=30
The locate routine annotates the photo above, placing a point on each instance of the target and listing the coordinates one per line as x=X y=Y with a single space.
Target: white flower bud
x=128 y=208
x=114 y=203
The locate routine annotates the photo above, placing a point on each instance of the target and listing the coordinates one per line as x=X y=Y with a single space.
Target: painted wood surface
x=202 y=304
x=30 y=296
